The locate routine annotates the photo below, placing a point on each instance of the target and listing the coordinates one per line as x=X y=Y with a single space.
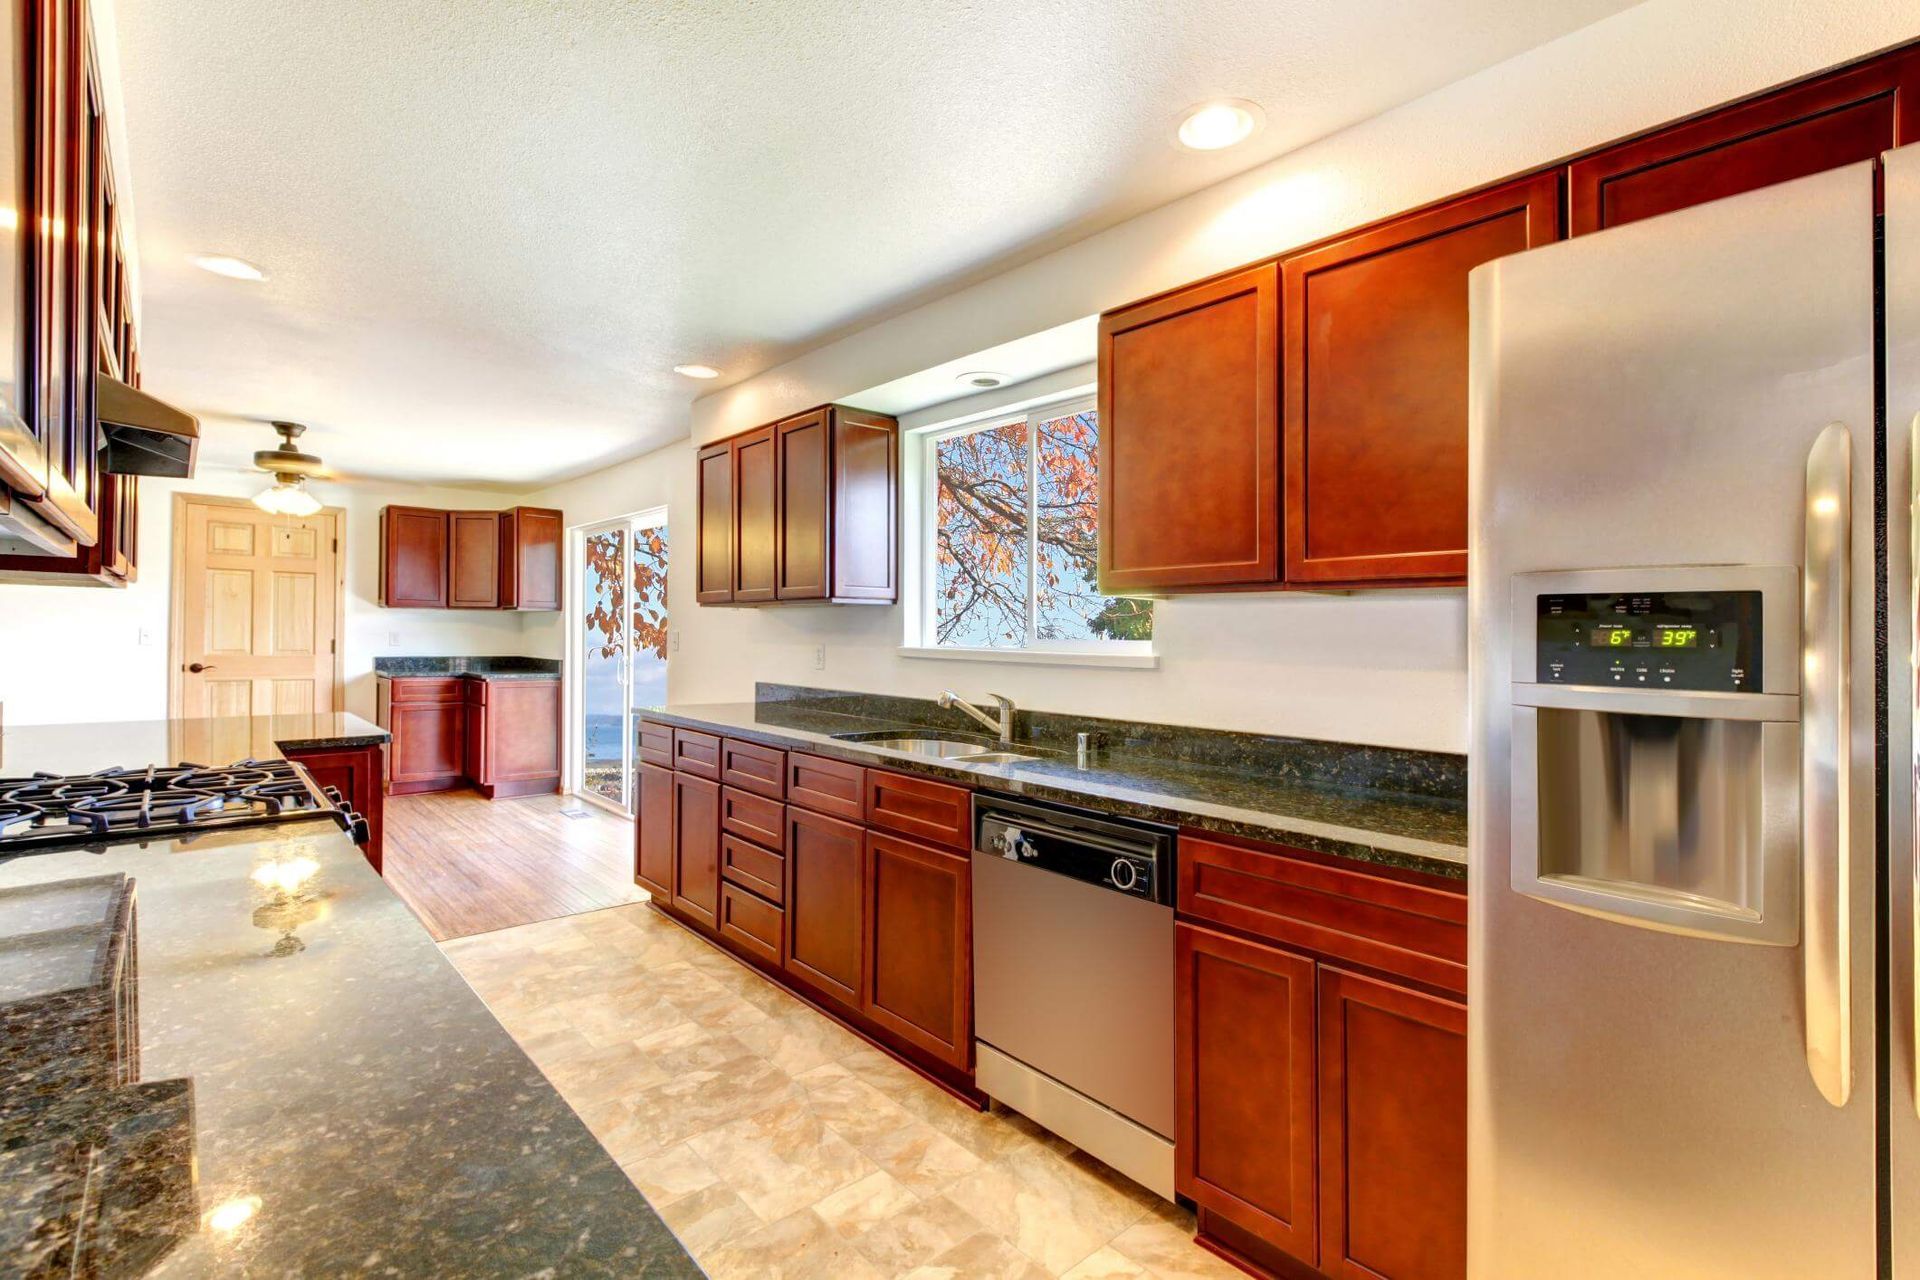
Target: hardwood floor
x=469 y=865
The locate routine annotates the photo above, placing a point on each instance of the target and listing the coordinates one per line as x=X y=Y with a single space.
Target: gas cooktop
x=50 y=811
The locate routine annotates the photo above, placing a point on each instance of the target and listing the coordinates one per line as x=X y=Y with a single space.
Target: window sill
x=1036 y=657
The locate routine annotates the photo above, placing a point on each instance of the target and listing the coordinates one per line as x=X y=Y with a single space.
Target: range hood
x=143 y=436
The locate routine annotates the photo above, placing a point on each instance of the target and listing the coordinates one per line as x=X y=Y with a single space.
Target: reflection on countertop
x=270 y=1069
x=1392 y=808
x=83 y=748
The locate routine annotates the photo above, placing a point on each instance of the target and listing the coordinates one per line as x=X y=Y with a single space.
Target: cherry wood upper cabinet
x=473 y=544
x=714 y=583
x=653 y=832
x=919 y=979
x=1245 y=1069
x=1190 y=437
x=530 y=541
x=1375 y=360
x=413 y=558
x=805 y=448
x=805 y=509
x=1393 y=1131
x=1835 y=119
x=754 y=517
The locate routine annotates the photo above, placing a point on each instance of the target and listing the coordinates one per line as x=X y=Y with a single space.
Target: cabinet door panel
x=714 y=581
x=413 y=558
x=1245 y=1027
x=524 y=730
x=805 y=457
x=429 y=740
x=826 y=904
x=530 y=539
x=696 y=848
x=1831 y=121
x=653 y=825
x=756 y=513
x=919 y=956
x=927 y=810
x=1376 y=386
x=865 y=555
x=1393 y=1131
x=1190 y=437
x=473 y=581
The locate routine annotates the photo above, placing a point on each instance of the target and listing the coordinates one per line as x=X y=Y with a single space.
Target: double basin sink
x=939 y=746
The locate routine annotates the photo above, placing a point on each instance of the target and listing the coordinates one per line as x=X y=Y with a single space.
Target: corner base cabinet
x=1322 y=1067
x=500 y=736
x=842 y=883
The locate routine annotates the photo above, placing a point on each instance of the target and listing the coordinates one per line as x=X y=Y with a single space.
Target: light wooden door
x=257 y=609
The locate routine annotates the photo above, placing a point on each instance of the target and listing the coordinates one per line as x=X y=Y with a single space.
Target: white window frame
x=922 y=622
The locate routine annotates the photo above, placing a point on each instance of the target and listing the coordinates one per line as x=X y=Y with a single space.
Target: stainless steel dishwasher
x=1073 y=977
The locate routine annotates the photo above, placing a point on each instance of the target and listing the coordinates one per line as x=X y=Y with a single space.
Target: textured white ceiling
x=490 y=228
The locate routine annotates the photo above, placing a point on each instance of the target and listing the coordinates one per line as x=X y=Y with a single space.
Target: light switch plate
x=819 y=657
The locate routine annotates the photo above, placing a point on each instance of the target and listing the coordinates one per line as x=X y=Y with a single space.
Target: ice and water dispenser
x=1657 y=747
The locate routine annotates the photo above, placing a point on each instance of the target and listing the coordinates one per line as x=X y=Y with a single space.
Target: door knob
x=198 y=667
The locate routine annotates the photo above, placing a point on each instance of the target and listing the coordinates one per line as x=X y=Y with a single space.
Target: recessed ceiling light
x=1212 y=126
x=696 y=371
x=232 y=268
x=981 y=379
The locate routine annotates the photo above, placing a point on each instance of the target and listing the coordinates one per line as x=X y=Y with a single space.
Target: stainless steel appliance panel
x=1902 y=201
x=1644 y=1103
x=1077 y=981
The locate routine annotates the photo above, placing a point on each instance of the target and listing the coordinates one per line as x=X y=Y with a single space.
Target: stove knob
x=357 y=829
x=1123 y=874
x=332 y=793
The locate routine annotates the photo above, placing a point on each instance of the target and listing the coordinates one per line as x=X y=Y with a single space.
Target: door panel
x=413 y=558
x=604 y=736
x=804 y=450
x=1723 y=339
x=696 y=848
x=756 y=510
x=714 y=578
x=473 y=577
x=826 y=904
x=919 y=919
x=1376 y=385
x=1393 y=1131
x=1245 y=1029
x=257 y=597
x=1190 y=437
x=654 y=824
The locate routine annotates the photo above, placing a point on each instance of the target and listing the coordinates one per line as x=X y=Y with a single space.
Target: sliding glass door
x=619 y=622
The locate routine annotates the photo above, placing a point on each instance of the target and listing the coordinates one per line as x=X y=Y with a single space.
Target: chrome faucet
x=1003 y=726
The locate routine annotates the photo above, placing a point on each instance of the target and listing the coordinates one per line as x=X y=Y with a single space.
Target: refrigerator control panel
x=1692 y=640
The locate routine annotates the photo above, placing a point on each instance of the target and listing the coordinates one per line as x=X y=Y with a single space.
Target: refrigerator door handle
x=1826 y=591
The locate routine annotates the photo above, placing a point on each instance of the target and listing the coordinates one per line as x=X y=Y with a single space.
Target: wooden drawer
x=930 y=811
x=759 y=819
x=426 y=688
x=761 y=770
x=656 y=744
x=697 y=753
x=1414 y=930
x=749 y=866
x=833 y=787
x=750 y=924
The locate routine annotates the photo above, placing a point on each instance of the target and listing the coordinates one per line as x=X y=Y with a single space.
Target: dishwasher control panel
x=1125 y=856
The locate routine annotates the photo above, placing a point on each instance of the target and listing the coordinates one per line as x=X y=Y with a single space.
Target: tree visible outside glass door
x=621 y=625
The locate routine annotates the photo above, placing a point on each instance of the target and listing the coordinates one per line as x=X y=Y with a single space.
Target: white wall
x=75 y=654
x=1379 y=667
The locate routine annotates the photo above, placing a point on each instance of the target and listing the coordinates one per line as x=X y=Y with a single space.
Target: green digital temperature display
x=1612 y=637
x=1677 y=638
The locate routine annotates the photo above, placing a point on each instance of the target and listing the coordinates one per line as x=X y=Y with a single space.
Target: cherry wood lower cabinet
x=654 y=830
x=427 y=717
x=919 y=961
x=359 y=774
x=513 y=737
x=696 y=848
x=826 y=904
x=1321 y=1064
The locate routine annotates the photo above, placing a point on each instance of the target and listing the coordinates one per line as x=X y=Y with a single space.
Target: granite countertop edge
x=1127 y=798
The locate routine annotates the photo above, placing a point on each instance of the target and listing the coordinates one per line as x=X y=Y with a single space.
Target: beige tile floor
x=775 y=1144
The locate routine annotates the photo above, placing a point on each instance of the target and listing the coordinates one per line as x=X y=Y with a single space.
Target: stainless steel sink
x=936 y=747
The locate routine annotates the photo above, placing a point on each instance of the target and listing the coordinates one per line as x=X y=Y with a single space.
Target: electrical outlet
x=819 y=657
x=146 y=638
x=674 y=634
x=393 y=639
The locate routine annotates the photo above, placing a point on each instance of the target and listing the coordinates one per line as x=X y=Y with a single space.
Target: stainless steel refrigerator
x=1692 y=1031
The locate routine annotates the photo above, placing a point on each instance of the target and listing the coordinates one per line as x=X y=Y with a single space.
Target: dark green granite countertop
x=1412 y=832
x=83 y=748
x=315 y=1091
x=482 y=668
